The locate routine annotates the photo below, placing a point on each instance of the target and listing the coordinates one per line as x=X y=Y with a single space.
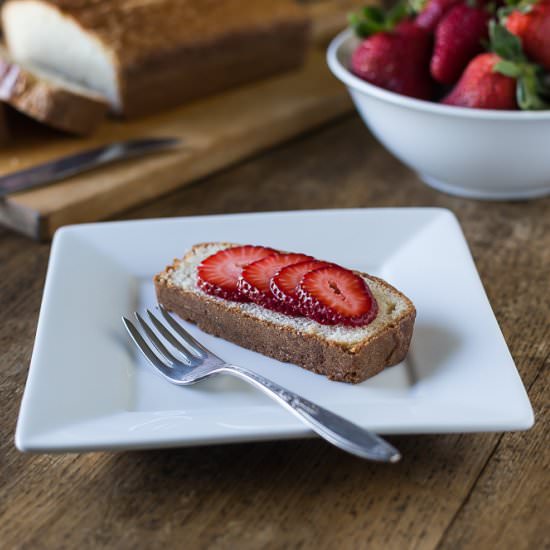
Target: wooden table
x=476 y=491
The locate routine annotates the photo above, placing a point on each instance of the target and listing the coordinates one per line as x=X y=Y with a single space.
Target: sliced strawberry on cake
x=333 y=295
x=351 y=325
x=284 y=284
x=219 y=274
x=254 y=282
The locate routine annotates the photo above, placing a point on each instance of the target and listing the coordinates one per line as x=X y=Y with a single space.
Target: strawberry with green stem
x=532 y=91
x=529 y=20
x=501 y=79
x=481 y=87
x=395 y=54
x=373 y=19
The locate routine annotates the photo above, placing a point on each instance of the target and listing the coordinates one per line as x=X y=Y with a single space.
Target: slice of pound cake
x=330 y=320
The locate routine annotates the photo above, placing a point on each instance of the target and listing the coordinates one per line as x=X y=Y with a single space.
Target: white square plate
x=88 y=390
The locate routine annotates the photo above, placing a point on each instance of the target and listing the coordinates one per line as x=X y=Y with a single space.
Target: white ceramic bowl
x=474 y=153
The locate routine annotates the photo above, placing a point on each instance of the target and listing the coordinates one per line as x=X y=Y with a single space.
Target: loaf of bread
x=347 y=354
x=50 y=99
x=144 y=56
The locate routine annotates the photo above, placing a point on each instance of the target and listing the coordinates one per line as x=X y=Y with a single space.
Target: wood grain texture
x=450 y=491
x=513 y=491
x=216 y=132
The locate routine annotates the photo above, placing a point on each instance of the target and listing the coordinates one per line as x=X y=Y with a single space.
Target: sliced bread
x=149 y=55
x=347 y=354
x=49 y=99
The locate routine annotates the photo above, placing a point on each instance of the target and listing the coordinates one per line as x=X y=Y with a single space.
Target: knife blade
x=71 y=165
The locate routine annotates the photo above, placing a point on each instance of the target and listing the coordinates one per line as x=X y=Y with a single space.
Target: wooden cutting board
x=215 y=132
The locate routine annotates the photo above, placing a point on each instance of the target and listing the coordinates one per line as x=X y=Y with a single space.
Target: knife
x=71 y=165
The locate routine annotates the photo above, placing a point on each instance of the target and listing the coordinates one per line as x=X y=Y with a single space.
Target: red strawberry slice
x=218 y=274
x=284 y=284
x=333 y=295
x=256 y=278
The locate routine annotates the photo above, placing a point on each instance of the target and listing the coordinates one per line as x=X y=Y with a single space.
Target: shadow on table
x=280 y=466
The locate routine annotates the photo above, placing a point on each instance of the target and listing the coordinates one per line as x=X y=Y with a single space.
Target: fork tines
x=158 y=336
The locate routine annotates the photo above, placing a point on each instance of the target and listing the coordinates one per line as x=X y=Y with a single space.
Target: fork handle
x=337 y=430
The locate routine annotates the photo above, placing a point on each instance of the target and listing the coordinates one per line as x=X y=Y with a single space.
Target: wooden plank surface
x=477 y=491
x=215 y=132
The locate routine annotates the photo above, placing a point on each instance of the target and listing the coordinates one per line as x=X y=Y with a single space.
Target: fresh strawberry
x=334 y=295
x=459 y=37
x=504 y=79
x=481 y=87
x=219 y=273
x=284 y=284
x=373 y=19
x=531 y=23
x=256 y=277
x=432 y=12
x=396 y=60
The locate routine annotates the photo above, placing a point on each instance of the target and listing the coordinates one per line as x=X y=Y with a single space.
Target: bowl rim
x=352 y=81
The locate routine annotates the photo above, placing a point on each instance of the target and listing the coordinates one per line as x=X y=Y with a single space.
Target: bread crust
x=335 y=360
x=188 y=73
x=141 y=32
x=49 y=102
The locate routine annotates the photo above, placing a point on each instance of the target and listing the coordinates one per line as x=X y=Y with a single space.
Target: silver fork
x=196 y=363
